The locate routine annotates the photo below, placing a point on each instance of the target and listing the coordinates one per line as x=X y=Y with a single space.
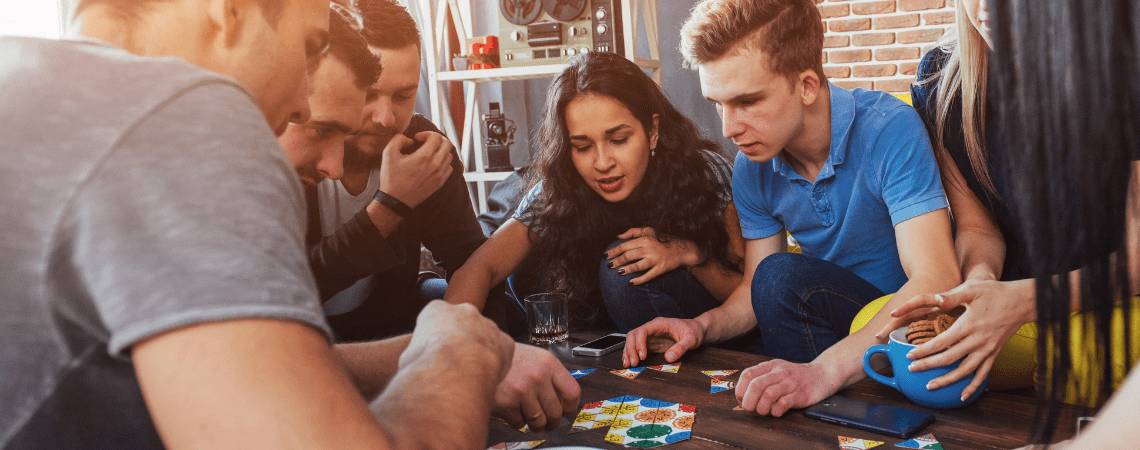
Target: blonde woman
x=951 y=97
x=954 y=98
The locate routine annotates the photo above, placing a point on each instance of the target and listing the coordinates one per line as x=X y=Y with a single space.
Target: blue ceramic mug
x=913 y=384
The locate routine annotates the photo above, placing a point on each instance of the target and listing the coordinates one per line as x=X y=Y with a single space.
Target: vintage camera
x=499 y=134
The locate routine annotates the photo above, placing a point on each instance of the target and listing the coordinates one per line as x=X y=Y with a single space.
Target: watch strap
x=400 y=208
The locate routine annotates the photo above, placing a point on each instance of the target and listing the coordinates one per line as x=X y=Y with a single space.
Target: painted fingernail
x=912 y=367
x=931 y=386
x=606 y=255
x=963 y=398
x=631 y=283
x=620 y=271
x=610 y=264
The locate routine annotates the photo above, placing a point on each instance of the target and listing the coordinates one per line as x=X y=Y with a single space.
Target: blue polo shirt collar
x=842 y=120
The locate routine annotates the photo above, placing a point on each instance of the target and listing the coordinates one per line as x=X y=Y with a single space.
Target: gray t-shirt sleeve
x=195 y=216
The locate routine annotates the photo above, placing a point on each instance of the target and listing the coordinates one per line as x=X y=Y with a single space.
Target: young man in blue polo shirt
x=850 y=174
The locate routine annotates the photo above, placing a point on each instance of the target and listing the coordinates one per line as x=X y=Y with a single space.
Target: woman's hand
x=994 y=312
x=643 y=252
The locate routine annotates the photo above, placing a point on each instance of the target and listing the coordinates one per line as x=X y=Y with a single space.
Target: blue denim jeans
x=674 y=294
x=804 y=305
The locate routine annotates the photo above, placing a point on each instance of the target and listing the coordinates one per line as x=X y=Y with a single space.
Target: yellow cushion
x=1085 y=377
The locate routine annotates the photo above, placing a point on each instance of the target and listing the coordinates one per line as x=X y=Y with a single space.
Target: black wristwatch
x=400 y=208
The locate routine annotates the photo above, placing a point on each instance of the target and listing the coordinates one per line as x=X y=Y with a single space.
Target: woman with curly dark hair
x=626 y=196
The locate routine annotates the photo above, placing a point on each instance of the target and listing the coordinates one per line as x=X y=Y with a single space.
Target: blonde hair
x=788 y=32
x=966 y=71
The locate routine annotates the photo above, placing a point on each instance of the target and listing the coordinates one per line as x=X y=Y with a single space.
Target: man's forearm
x=383 y=218
x=732 y=319
x=371 y=365
x=718 y=280
x=354 y=251
x=452 y=391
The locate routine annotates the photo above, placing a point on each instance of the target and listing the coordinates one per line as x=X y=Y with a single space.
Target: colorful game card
x=579 y=373
x=524 y=429
x=526 y=445
x=671 y=368
x=719 y=385
x=630 y=373
x=846 y=443
x=602 y=414
x=654 y=423
x=926 y=441
x=719 y=374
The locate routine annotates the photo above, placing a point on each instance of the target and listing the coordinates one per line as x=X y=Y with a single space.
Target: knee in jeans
x=773 y=280
x=608 y=278
x=776 y=272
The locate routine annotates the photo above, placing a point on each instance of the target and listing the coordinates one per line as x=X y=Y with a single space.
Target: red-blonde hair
x=788 y=32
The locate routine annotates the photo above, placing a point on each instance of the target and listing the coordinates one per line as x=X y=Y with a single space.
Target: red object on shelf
x=485 y=45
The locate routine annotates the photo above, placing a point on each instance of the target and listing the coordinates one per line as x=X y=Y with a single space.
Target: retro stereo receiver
x=537 y=32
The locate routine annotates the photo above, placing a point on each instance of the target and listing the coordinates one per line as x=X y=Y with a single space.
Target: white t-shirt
x=338 y=206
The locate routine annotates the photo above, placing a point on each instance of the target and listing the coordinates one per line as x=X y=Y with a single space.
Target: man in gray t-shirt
x=156 y=286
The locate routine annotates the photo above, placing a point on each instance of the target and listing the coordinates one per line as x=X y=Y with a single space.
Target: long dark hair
x=677 y=196
x=1067 y=91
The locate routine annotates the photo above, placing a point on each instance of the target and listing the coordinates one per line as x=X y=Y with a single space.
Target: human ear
x=809 y=81
x=653 y=134
x=227 y=18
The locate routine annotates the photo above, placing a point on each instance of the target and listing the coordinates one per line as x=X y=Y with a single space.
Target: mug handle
x=889 y=381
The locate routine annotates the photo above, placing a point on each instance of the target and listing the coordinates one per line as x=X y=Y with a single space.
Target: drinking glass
x=548 y=318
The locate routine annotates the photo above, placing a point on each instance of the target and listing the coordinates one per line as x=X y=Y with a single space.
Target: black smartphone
x=601 y=346
x=889 y=420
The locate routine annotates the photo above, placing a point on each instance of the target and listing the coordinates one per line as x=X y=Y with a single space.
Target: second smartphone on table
x=601 y=346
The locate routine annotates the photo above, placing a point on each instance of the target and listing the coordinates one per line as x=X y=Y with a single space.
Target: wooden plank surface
x=996 y=420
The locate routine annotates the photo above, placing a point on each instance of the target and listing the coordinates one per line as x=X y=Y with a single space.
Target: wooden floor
x=997 y=420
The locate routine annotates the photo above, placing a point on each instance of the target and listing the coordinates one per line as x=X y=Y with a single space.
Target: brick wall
x=876 y=44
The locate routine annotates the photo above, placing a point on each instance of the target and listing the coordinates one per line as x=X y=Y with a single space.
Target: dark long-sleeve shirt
x=444 y=223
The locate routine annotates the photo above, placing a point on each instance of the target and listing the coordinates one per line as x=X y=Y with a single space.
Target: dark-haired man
x=336 y=101
x=850 y=174
x=537 y=390
x=153 y=298
x=373 y=221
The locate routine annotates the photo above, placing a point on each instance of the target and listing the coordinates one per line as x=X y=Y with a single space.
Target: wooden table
x=996 y=420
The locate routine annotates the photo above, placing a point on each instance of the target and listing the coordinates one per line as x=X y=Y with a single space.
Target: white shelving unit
x=438 y=57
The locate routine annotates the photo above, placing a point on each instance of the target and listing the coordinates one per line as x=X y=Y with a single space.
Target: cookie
x=920 y=331
x=923 y=330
